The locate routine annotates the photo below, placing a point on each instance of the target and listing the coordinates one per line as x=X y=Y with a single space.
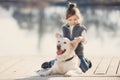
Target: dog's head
x=65 y=46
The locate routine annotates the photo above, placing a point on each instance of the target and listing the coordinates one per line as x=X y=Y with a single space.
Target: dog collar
x=69 y=58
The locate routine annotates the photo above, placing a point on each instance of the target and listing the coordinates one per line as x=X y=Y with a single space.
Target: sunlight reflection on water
x=94 y=46
x=12 y=39
x=16 y=41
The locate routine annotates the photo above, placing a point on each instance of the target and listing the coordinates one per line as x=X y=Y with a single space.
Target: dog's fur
x=67 y=62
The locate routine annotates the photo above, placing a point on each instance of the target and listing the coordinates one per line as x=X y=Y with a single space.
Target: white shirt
x=71 y=29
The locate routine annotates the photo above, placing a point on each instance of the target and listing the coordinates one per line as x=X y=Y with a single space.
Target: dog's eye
x=65 y=42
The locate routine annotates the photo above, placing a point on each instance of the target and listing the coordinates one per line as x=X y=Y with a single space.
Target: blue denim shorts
x=84 y=64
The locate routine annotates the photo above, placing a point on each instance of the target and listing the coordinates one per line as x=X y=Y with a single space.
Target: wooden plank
x=118 y=70
x=3 y=59
x=95 y=62
x=37 y=64
x=17 y=69
x=69 y=78
x=9 y=62
x=113 y=66
x=103 y=66
x=22 y=69
x=84 y=78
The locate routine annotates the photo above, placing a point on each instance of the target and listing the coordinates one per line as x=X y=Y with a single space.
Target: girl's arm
x=82 y=38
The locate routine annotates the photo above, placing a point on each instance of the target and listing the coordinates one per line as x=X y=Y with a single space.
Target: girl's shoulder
x=65 y=26
x=82 y=26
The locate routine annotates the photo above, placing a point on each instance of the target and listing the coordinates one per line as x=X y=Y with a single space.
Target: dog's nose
x=58 y=47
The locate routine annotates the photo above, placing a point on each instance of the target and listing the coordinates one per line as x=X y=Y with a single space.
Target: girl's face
x=73 y=20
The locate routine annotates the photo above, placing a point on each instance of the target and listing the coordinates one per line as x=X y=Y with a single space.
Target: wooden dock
x=24 y=67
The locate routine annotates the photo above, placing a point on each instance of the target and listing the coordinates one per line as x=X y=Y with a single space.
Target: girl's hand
x=80 y=39
x=57 y=35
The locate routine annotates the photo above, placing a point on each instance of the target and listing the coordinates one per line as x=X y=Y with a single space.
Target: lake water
x=103 y=35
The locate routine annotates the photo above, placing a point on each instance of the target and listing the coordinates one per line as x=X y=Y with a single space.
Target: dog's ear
x=57 y=35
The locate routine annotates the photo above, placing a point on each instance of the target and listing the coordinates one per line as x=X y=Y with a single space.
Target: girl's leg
x=49 y=64
x=84 y=64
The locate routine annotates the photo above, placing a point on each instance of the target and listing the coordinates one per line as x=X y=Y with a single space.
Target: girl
x=73 y=29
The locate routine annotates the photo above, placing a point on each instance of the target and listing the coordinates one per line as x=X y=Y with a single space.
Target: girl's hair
x=73 y=10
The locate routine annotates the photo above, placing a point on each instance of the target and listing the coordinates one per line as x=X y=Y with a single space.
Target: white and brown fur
x=62 y=65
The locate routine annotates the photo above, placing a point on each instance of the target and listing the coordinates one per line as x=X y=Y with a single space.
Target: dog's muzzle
x=59 y=51
x=58 y=47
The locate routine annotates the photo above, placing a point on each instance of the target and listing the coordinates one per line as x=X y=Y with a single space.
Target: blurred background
x=28 y=27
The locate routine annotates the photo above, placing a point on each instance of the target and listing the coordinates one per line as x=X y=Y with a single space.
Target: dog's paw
x=42 y=74
x=66 y=75
x=72 y=73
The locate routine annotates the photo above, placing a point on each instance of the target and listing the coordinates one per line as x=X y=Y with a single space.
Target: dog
x=67 y=62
